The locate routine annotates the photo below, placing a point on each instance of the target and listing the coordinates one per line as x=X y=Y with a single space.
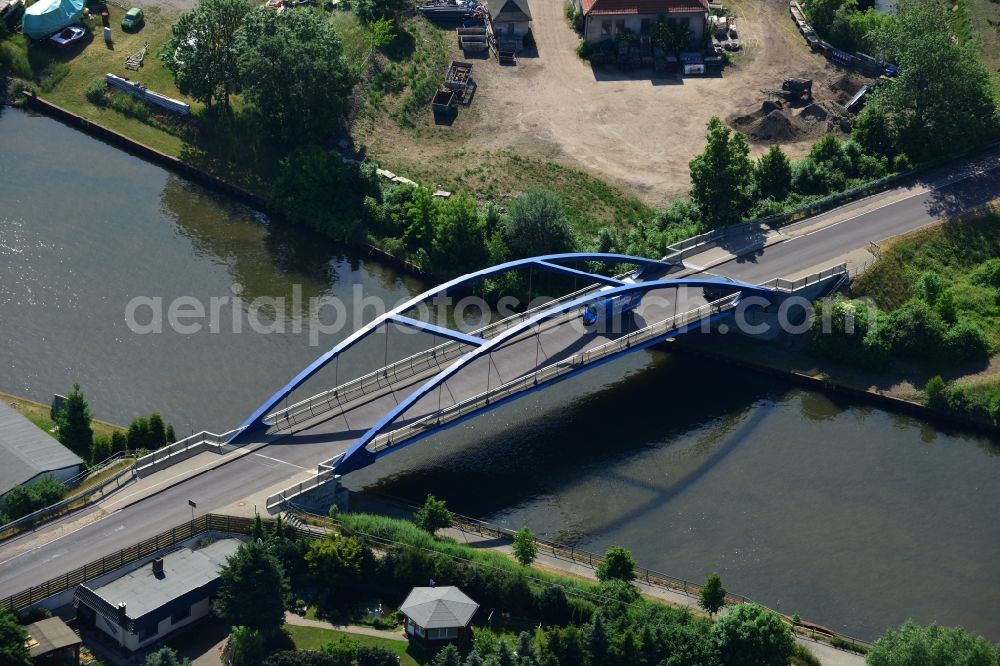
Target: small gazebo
x=437 y=614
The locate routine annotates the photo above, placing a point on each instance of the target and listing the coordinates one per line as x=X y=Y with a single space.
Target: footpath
x=827 y=654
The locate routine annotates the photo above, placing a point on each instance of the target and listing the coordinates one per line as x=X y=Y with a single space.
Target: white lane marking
x=261 y=455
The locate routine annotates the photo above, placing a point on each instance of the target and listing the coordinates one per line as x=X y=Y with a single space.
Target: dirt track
x=636 y=131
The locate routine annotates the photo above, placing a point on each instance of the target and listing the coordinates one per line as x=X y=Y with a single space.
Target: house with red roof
x=603 y=19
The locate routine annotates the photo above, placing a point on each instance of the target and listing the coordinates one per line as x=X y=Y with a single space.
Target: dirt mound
x=844 y=84
x=815 y=111
x=748 y=120
x=776 y=127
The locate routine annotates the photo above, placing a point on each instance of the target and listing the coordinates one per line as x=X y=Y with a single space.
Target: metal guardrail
x=782 y=284
x=56 y=509
x=284 y=496
x=550 y=372
x=197 y=439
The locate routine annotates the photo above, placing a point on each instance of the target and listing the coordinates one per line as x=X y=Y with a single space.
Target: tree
x=100 y=450
x=47 y=490
x=257 y=528
x=376 y=656
x=448 y=656
x=942 y=101
x=18 y=502
x=553 y=605
x=171 y=437
x=316 y=188
x=138 y=435
x=525 y=549
x=371 y=10
x=722 y=176
x=336 y=558
x=253 y=590
x=343 y=650
x=596 y=639
x=932 y=646
x=157 y=431
x=713 y=595
x=460 y=234
x=750 y=635
x=433 y=515
x=421 y=212
x=874 y=133
x=618 y=564
x=202 y=53
x=536 y=224
x=166 y=657
x=13 y=641
x=294 y=73
x=73 y=421
x=774 y=174
x=119 y=442
x=248 y=646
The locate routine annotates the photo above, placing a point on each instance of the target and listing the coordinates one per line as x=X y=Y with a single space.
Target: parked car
x=133 y=19
x=67 y=36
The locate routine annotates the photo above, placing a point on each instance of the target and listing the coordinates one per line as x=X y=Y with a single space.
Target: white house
x=143 y=605
x=603 y=19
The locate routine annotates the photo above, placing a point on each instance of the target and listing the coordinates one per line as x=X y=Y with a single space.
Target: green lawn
x=314 y=638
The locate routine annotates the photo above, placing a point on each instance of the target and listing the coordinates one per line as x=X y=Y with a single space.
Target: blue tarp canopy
x=48 y=16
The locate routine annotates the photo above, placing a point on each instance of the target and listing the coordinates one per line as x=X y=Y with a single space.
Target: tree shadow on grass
x=402 y=46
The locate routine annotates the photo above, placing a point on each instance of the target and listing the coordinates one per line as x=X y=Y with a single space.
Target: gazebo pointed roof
x=439 y=607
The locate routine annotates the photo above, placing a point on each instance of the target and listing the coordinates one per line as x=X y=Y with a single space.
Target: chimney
x=158 y=567
x=122 y=618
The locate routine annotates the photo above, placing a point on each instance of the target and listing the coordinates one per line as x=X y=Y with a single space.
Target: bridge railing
x=458 y=410
x=188 y=443
x=781 y=284
x=335 y=400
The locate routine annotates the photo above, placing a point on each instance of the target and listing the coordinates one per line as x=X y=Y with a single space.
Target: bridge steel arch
x=357 y=453
x=545 y=262
x=358 y=456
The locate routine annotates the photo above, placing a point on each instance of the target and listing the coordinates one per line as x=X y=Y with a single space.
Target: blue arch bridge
x=460 y=375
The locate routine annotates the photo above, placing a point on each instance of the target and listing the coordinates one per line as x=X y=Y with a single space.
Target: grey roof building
x=28 y=453
x=143 y=605
x=437 y=613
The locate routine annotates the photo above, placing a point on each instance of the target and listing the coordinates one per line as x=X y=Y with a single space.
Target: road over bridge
x=118 y=521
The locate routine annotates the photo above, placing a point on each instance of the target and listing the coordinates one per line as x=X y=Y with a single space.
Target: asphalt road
x=283 y=459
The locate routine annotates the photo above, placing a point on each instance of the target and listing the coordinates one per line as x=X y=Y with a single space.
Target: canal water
x=854 y=517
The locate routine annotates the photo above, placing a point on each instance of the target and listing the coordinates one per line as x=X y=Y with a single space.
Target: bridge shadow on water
x=593 y=434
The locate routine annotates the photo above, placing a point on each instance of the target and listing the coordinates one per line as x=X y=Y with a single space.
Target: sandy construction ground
x=636 y=131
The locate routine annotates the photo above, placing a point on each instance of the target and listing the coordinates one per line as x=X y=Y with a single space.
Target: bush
x=129 y=106
x=97 y=92
x=618 y=564
x=967 y=341
x=937 y=393
x=22 y=500
x=583 y=50
x=902 y=163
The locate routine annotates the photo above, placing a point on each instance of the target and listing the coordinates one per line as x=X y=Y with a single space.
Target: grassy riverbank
x=956 y=266
x=38 y=413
